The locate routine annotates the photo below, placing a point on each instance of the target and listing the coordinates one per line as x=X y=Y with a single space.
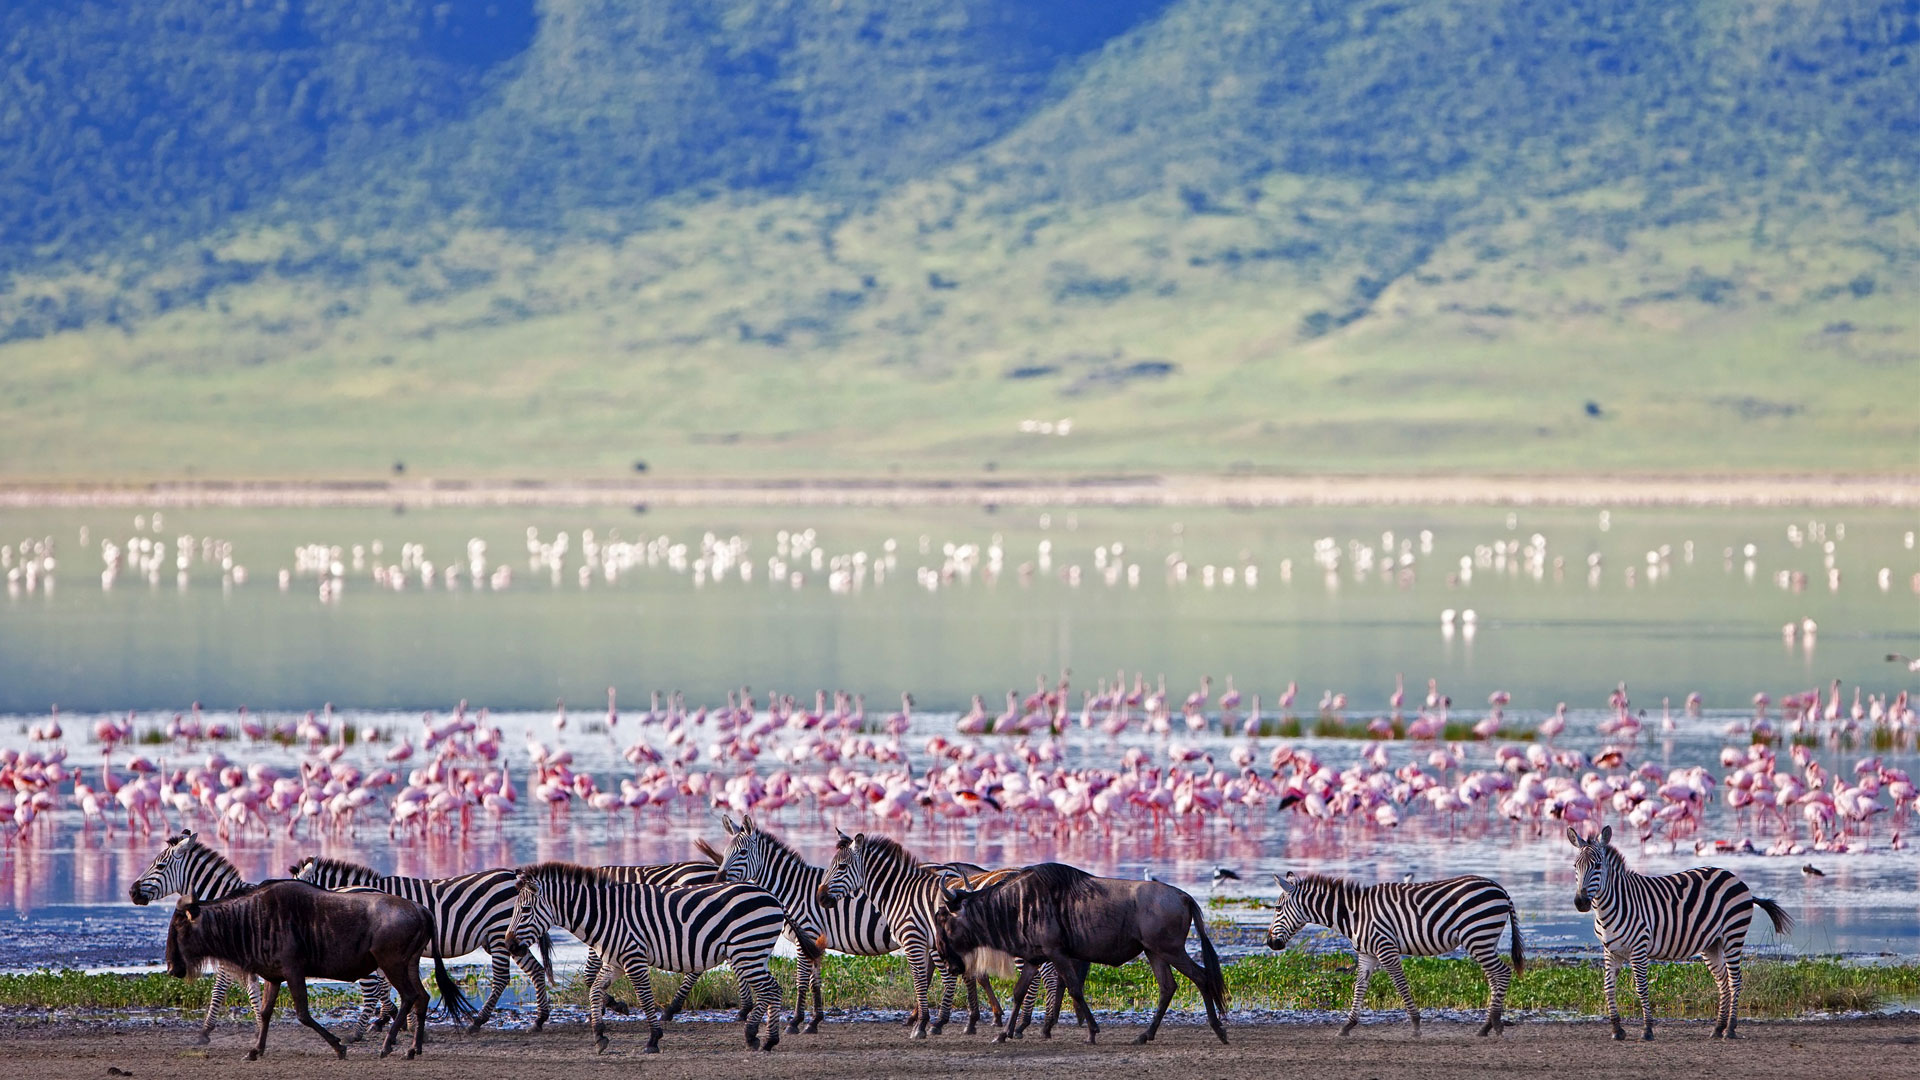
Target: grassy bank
x=1287 y=981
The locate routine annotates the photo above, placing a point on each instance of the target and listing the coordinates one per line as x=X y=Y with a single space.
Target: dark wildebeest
x=290 y=931
x=1052 y=913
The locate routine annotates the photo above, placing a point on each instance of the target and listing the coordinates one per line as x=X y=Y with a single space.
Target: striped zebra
x=676 y=875
x=189 y=868
x=757 y=857
x=1418 y=918
x=1640 y=918
x=908 y=892
x=470 y=913
x=639 y=927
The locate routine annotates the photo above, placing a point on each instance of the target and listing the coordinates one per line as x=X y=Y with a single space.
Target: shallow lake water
x=1566 y=605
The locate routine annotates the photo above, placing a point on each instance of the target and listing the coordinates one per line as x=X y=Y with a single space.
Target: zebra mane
x=207 y=854
x=781 y=846
x=565 y=873
x=343 y=866
x=887 y=848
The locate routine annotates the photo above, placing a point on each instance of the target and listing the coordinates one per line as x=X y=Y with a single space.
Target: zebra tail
x=1215 y=985
x=546 y=954
x=809 y=944
x=1782 y=922
x=1518 y=952
x=456 y=1003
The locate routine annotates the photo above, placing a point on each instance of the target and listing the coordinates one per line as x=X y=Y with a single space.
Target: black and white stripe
x=1418 y=918
x=637 y=927
x=470 y=914
x=908 y=892
x=852 y=926
x=1703 y=912
x=186 y=867
x=676 y=875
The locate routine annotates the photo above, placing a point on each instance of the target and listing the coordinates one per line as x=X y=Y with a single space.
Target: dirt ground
x=1876 y=1047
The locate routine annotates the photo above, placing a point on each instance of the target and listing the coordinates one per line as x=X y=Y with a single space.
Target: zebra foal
x=635 y=928
x=1639 y=918
x=1386 y=922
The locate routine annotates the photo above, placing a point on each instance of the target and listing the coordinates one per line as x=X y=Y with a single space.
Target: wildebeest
x=1052 y=913
x=290 y=931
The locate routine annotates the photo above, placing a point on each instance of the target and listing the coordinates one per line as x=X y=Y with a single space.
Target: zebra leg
x=680 y=996
x=1641 y=974
x=1362 y=974
x=1609 y=984
x=802 y=978
x=640 y=973
x=1733 y=993
x=1162 y=974
x=819 y=1002
x=597 y=1006
x=755 y=977
x=1716 y=963
x=218 y=997
x=502 y=971
x=1391 y=962
x=592 y=971
x=373 y=1001
x=920 y=964
x=543 y=994
x=1499 y=978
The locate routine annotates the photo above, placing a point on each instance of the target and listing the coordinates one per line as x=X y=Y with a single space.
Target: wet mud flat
x=157 y=1048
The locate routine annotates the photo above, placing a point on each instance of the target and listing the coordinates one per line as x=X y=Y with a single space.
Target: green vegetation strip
x=1288 y=981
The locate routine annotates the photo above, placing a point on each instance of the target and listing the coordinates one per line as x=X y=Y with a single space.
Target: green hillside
x=841 y=236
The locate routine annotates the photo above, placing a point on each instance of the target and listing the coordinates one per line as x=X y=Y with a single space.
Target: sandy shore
x=1118 y=490
x=1883 y=1046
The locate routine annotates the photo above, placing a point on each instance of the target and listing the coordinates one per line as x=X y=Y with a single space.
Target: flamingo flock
x=1025 y=768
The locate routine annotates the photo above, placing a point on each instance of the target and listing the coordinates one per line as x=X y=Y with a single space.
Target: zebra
x=857 y=927
x=637 y=927
x=194 y=870
x=1640 y=918
x=470 y=913
x=676 y=875
x=907 y=892
x=1417 y=918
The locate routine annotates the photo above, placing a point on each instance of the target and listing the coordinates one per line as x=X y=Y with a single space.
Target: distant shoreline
x=1115 y=490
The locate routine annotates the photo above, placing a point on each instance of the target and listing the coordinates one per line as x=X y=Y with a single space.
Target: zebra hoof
x=773 y=1040
x=1142 y=1039
x=600 y=1044
x=753 y=1042
x=650 y=1049
x=253 y=1055
x=204 y=1039
x=1619 y=1034
x=474 y=1028
x=1732 y=1034
x=1647 y=1036
x=614 y=1004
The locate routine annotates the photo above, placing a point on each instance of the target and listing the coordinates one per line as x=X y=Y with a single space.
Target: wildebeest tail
x=1215 y=985
x=456 y=1003
x=1782 y=922
x=1518 y=953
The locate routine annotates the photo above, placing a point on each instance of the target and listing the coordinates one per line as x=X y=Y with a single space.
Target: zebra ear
x=1606 y=835
x=1286 y=883
x=746 y=823
x=844 y=840
x=1573 y=837
x=727 y=822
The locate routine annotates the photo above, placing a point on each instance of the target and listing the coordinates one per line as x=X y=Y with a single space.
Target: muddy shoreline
x=159 y=1050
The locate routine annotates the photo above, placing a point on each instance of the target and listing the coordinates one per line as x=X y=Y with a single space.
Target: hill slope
x=833 y=236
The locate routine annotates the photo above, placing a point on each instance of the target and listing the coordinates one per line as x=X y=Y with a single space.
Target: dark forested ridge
x=853 y=175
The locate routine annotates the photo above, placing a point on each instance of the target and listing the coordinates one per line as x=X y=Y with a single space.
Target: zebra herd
x=962 y=922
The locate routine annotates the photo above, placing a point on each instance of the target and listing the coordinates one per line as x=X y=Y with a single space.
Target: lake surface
x=1590 y=604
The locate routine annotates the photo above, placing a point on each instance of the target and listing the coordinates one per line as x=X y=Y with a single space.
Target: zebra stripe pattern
x=677 y=875
x=186 y=867
x=638 y=927
x=1639 y=918
x=470 y=913
x=1386 y=922
x=855 y=926
x=908 y=892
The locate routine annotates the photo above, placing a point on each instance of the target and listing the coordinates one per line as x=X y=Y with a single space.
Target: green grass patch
x=1290 y=980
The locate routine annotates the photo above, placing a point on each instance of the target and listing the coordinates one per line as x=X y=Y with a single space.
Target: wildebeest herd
x=1048 y=922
